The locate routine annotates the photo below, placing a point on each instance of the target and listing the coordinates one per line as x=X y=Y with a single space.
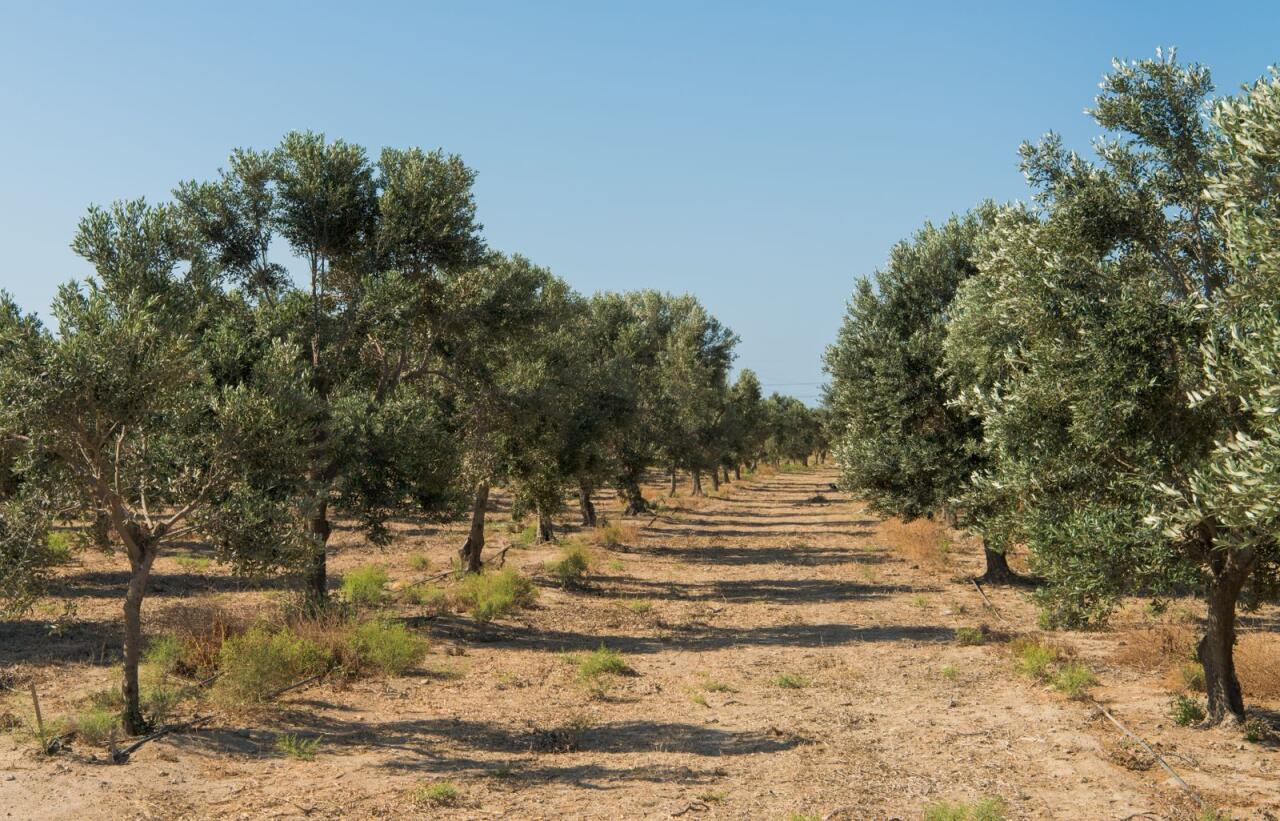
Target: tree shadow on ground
x=112 y=584
x=448 y=743
x=39 y=642
x=688 y=637
x=800 y=530
x=738 y=591
x=745 y=556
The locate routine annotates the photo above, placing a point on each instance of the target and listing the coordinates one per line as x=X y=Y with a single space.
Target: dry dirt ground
x=713 y=603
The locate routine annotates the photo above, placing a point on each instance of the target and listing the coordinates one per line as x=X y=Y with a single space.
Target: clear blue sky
x=762 y=156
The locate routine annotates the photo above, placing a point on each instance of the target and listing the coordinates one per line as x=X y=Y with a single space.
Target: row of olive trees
x=1095 y=375
x=190 y=390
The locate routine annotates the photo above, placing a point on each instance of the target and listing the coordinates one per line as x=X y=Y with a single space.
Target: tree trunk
x=697 y=483
x=546 y=531
x=737 y=472
x=715 y=480
x=635 y=503
x=998 y=571
x=315 y=579
x=1216 y=647
x=588 y=509
x=134 y=722
x=673 y=482
x=726 y=474
x=474 y=545
x=804 y=461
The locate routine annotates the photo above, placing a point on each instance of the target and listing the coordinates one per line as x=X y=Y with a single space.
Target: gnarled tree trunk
x=588 y=508
x=546 y=531
x=1229 y=569
x=715 y=480
x=141 y=557
x=998 y=571
x=697 y=483
x=474 y=545
x=726 y=474
x=673 y=482
x=737 y=472
x=634 y=503
x=315 y=578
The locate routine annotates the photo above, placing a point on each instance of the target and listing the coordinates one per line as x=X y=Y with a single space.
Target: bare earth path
x=716 y=608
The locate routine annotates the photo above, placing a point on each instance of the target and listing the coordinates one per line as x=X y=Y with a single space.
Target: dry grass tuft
x=1258 y=664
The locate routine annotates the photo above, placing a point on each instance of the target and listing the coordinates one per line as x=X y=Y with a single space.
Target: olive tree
x=120 y=417
x=1113 y=348
x=903 y=444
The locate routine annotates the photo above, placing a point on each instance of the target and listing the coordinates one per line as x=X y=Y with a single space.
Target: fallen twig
x=277 y=693
x=122 y=756
x=983 y=594
x=1165 y=764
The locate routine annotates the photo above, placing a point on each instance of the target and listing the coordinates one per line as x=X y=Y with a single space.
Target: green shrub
x=365 y=586
x=950 y=673
x=1074 y=678
x=791 y=681
x=571 y=570
x=60 y=547
x=95 y=725
x=1186 y=711
x=296 y=746
x=970 y=636
x=194 y=563
x=1256 y=730
x=386 y=646
x=1035 y=659
x=601 y=662
x=526 y=536
x=488 y=596
x=261 y=661
x=442 y=794
x=984 y=809
x=419 y=562
x=164 y=653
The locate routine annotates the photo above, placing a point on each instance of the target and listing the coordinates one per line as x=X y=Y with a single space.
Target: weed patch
x=386 y=646
x=488 y=596
x=365 y=586
x=983 y=809
x=298 y=747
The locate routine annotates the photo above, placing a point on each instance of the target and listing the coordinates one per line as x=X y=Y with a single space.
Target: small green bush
x=194 y=563
x=95 y=725
x=1186 y=711
x=1035 y=660
x=165 y=653
x=261 y=661
x=387 y=646
x=950 y=673
x=488 y=596
x=601 y=662
x=571 y=570
x=60 y=547
x=1256 y=730
x=969 y=636
x=984 y=809
x=442 y=794
x=1074 y=679
x=296 y=746
x=419 y=562
x=791 y=681
x=365 y=586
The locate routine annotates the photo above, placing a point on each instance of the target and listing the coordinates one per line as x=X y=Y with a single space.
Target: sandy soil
x=710 y=604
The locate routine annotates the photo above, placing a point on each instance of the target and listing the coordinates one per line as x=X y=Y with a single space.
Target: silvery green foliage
x=1233 y=487
x=1078 y=341
x=902 y=443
